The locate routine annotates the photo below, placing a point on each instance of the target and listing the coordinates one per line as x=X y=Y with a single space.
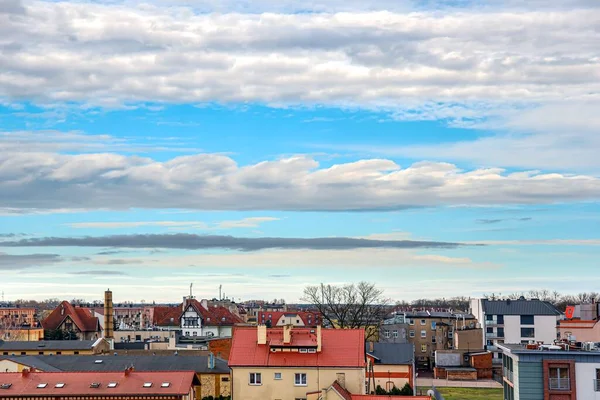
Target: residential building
x=390 y=365
x=212 y=373
x=123 y=385
x=54 y=347
x=23 y=333
x=337 y=392
x=198 y=319
x=17 y=317
x=468 y=339
x=461 y=365
x=428 y=331
x=515 y=321
x=394 y=330
x=253 y=307
x=77 y=320
x=550 y=372
x=582 y=323
x=295 y=318
x=286 y=363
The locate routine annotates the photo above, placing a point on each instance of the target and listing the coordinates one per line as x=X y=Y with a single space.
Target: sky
x=435 y=148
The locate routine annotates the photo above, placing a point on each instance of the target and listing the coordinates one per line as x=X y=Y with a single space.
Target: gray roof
x=393 y=353
x=47 y=345
x=518 y=307
x=113 y=363
x=438 y=314
x=36 y=362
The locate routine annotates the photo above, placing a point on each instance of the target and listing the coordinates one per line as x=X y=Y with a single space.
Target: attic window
x=41 y=385
x=303 y=350
x=148 y=384
x=5 y=386
x=223 y=319
x=165 y=385
x=112 y=385
x=98 y=361
x=59 y=385
x=312 y=350
x=95 y=385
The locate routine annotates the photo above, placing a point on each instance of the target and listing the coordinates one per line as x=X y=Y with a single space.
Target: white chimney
x=262 y=334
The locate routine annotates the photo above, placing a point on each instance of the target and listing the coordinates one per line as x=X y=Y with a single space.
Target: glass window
x=500 y=319
x=423 y=348
x=411 y=321
x=597 y=381
x=526 y=319
x=527 y=332
x=489 y=330
x=255 y=378
x=500 y=332
x=411 y=333
x=559 y=378
x=489 y=317
x=386 y=334
x=395 y=333
x=433 y=325
x=423 y=322
x=277 y=376
x=423 y=333
x=300 y=379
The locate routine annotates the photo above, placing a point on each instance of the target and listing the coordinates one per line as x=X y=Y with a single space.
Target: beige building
x=390 y=365
x=287 y=363
x=468 y=339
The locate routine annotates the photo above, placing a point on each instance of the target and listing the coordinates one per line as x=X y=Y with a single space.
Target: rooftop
x=518 y=307
x=392 y=353
x=46 y=345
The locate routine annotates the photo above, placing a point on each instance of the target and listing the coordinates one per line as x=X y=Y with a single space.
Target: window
x=489 y=330
x=112 y=385
x=386 y=334
x=58 y=353
x=423 y=348
x=95 y=385
x=277 y=376
x=500 y=319
x=76 y=352
x=433 y=325
x=411 y=321
x=41 y=385
x=167 y=384
x=225 y=379
x=526 y=319
x=423 y=333
x=423 y=322
x=303 y=350
x=300 y=379
x=395 y=333
x=450 y=334
x=597 y=381
x=489 y=317
x=59 y=385
x=147 y=384
x=527 y=332
x=500 y=332
x=433 y=339
x=559 y=378
x=312 y=350
x=255 y=378
x=411 y=333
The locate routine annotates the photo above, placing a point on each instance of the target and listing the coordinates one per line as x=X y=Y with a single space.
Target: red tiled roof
x=215 y=316
x=83 y=318
x=78 y=383
x=163 y=314
x=342 y=391
x=339 y=348
x=275 y=316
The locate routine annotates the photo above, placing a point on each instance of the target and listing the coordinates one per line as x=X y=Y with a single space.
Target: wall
x=586 y=374
x=284 y=389
x=545 y=328
x=30 y=335
x=584 y=331
x=443 y=359
x=512 y=329
x=388 y=376
x=468 y=339
x=530 y=385
x=213 y=385
x=46 y=352
x=10 y=366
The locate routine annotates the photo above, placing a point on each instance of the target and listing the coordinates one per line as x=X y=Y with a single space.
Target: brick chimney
x=25 y=372
x=371 y=347
x=108 y=315
x=261 y=331
x=287 y=334
x=129 y=370
x=319 y=339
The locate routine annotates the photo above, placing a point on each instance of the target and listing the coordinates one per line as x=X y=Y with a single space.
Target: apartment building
x=515 y=322
x=12 y=316
x=550 y=372
x=289 y=362
x=582 y=323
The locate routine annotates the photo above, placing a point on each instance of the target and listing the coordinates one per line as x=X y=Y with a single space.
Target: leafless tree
x=360 y=305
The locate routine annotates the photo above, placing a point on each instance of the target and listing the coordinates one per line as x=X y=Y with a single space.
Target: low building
x=468 y=339
x=286 y=363
x=54 y=347
x=463 y=365
x=550 y=372
x=582 y=323
x=69 y=319
x=123 y=385
x=295 y=318
x=212 y=373
x=14 y=316
x=390 y=365
x=22 y=334
x=337 y=392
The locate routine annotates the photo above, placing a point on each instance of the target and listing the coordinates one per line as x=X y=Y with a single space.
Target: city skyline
x=436 y=149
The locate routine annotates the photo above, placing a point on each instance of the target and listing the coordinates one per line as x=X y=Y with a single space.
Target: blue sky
x=436 y=149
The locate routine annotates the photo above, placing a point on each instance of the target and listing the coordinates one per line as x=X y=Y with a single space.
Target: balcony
x=508 y=374
x=493 y=323
x=596 y=385
x=559 y=383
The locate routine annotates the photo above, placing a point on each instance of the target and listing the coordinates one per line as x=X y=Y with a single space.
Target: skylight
x=5 y=386
x=165 y=384
x=148 y=384
x=41 y=385
x=59 y=385
x=112 y=385
x=98 y=361
x=95 y=385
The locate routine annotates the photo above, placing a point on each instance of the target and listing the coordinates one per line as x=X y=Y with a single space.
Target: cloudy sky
x=436 y=148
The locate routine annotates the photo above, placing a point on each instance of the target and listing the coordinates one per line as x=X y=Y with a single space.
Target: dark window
x=526 y=319
x=527 y=332
x=41 y=353
x=490 y=330
x=75 y=352
x=500 y=319
x=58 y=353
x=23 y=353
x=500 y=332
x=489 y=317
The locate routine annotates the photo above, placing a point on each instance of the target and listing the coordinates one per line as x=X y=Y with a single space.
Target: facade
x=390 y=365
x=287 y=363
x=78 y=320
x=428 y=331
x=28 y=334
x=128 y=384
x=582 y=323
x=337 y=392
x=468 y=339
x=515 y=321
x=463 y=365
x=54 y=347
x=212 y=373
x=295 y=318
x=550 y=373
x=17 y=317
x=199 y=319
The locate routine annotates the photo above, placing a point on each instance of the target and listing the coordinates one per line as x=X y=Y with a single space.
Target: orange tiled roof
x=215 y=315
x=315 y=318
x=340 y=348
x=81 y=317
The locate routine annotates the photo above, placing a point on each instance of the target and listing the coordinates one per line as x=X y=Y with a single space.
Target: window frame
x=423 y=333
x=255 y=375
x=277 y=378
x=298 y=381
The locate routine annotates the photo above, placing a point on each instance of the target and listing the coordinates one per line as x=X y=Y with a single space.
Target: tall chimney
x=108 y=315
x=262 y=334
x=319 y=339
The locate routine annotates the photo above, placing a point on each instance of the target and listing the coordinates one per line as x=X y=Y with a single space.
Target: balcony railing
x=559 y=383
x=493 y=322
x=597 y=385
x=508 y=374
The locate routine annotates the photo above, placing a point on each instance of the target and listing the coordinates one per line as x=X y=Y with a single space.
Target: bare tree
x=350 y=306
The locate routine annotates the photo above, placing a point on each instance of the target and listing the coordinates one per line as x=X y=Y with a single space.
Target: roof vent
x=98 y=361
x=5 y=386
x=95 y=385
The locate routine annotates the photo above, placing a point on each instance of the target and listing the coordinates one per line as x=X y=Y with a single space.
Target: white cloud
x=216 y=182
x=250 y=222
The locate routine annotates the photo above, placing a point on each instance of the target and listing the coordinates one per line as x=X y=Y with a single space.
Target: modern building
x=71 y=319
x=390 y=365
x=212 y=373
x=515 y=321
x=286 y=363
x=582 y=323
x=123 y=385
x=550 y=372
x=54 y=347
